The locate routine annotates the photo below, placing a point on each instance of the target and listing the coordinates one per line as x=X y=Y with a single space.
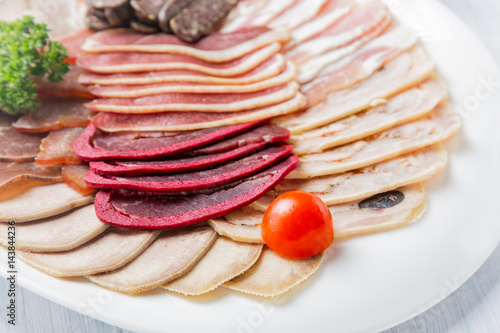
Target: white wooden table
x=474 y=307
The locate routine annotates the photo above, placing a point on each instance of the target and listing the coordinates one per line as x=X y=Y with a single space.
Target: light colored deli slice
x=363 y=183
x=225 y=260
x=239 y=233
x=14 y=172
x=269 y=68
x=58 y=233
x=110 y=250
x=111 y=63
x=405 y=71
x=215 y=48
x=187 y=121
x=57 y=147
x=244 y=216
x=171 y=255
x=39 y=202
x=404 y=107
x=130 y=91
x=197 y=102
x=273 y=274
x=439 y=125
x=17 y=146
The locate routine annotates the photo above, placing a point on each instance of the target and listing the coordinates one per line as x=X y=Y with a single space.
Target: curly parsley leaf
x=26 y=51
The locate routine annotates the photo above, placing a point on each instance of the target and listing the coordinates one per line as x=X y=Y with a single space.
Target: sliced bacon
x=267 y=69
x=73 y=43
x=131 y=210
x=68 y=87
x=55 y=114
x=57 y=147
x=196 y=102
x=301 y=11
x=74 y=174
x=355 y=68
x=215 y=48
x=131 y=91
x=17 y=146
x=407 y=70
x=186 y=121
x=195 y=182
x=364 y=23
x=109 y=63
x=94 y=146
x=13 y=172
x=182 y=164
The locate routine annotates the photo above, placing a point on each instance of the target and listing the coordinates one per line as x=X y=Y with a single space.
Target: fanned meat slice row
x=55 y=114
x=17 y=146
x=191 y=183
x=186 y=164
x=57 y=147
x=74 y=176
x=269 y=68
x=354 y=68
x=13 y=172
x=133 y=62
x=215 y=48
x=187 y=121
x=133 y=91
x=143 y=145
x=220 y=102
x=366 y=21
x=132 y=210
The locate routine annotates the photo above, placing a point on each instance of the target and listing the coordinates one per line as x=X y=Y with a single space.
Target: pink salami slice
x=93 y=146
x=186 y=164
x=193 y=182
x=133 y=210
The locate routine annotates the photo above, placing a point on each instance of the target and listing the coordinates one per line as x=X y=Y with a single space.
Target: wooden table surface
x=474 y=307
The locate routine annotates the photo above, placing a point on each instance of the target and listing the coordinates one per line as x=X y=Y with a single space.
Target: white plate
x=367 y=283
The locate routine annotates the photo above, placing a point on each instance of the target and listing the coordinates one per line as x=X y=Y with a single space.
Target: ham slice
x=172 y=254
x=60 y=233
x=215 y=48
x=269 y=68
x=132 y=91
x=187 y=121
x=404 y=107
x=110 y=250
x=365 y=22
x=144 y=145
x=55 y=114
x=110 y=63
x=205 y=181
x=435 y=127
x=405 y=71
x=353 y=69
x=364 y=183
x=225 y=260
x=57 y=147
x=180 y=165
x=17 y=146
x=13 y=172
x=197 y=102
x=73 y=175
x=131 y=210
x=273 y=274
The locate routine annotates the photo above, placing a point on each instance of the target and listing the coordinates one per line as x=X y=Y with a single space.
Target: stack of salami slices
x=189 y=143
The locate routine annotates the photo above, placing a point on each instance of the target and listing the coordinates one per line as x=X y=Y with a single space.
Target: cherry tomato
x=297 y=224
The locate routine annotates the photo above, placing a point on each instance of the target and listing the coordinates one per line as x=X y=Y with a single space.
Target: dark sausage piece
x=143 y=28
x=96 y=23
x=120 y=16
x=199 y=18
x=169 y=10
x=147 y=10
x=101 y=4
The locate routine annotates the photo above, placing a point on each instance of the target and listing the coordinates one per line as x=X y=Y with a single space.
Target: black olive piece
x=383 y=200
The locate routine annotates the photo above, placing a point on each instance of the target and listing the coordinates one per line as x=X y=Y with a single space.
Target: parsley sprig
x=26 y=51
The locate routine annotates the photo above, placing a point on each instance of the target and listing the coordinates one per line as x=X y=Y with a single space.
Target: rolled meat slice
x=132 y=210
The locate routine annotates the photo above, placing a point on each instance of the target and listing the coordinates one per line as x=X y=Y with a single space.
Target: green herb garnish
x=26 y=51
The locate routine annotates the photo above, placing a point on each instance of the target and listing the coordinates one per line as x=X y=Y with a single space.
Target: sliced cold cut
x=13 y=172
x=57 y=147
x=17 y=146
x=74 y=174
x=239 y=233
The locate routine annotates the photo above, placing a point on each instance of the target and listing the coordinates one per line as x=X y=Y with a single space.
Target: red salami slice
x=132 y=210
x=94 y=146
x=172 y=166
x=193 y=182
